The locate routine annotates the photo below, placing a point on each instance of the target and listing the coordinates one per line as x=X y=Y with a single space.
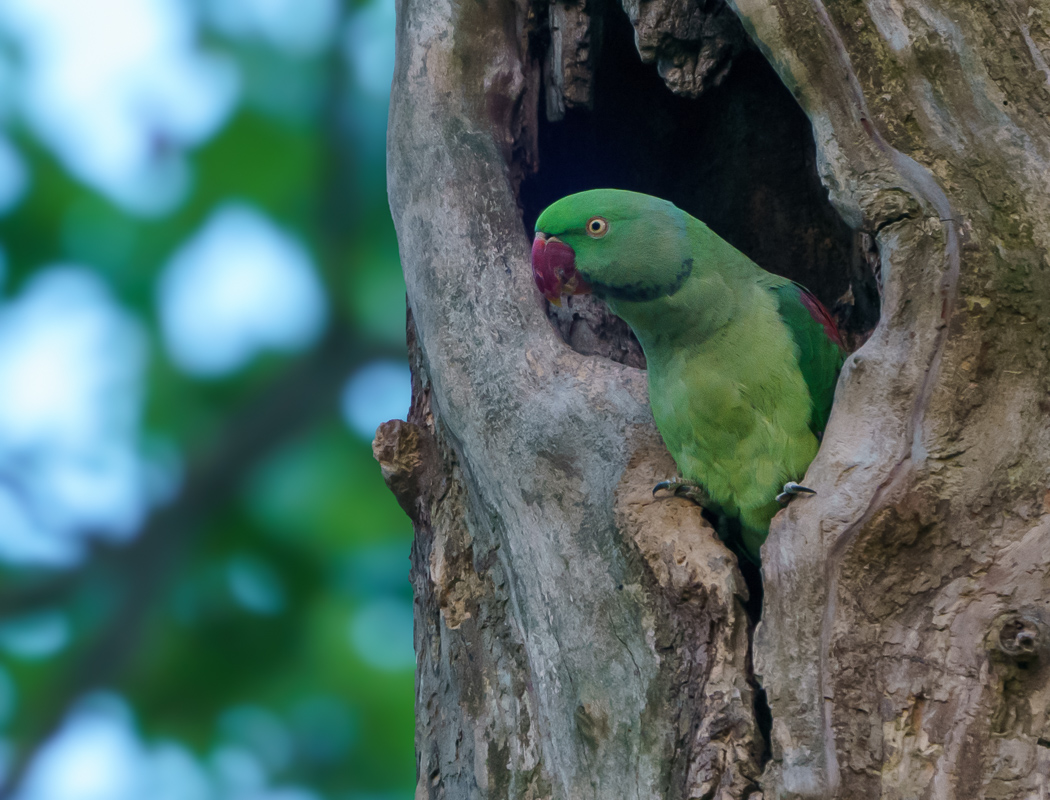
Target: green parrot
x=742 y=363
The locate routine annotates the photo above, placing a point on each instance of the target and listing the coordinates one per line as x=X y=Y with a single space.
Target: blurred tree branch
x=138 y=570
x=288 y=407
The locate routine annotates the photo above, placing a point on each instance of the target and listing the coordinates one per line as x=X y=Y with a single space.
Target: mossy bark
x=577 y=638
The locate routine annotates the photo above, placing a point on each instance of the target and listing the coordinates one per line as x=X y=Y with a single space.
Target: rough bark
x=577 y=638
x=887 y=596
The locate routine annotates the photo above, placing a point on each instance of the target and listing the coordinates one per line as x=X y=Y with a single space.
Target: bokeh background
x=203 y=580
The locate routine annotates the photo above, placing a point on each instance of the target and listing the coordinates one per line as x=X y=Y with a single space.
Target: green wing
x=820 y=348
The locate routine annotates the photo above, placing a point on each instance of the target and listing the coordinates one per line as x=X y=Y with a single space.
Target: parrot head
x=617 y=244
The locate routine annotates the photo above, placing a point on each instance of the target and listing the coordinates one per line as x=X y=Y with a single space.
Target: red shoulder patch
x=820 y=314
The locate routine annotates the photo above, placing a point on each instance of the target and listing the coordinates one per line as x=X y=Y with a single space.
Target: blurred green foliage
x=275 y=617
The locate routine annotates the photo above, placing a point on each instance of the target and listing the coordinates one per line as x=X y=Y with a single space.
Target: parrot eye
x=597 y=227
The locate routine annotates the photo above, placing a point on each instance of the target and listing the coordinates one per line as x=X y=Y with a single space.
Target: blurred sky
x=121 y=93
x=139 y=80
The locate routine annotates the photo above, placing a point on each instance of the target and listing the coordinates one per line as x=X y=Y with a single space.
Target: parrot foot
x=790 y=490
x=680 y=487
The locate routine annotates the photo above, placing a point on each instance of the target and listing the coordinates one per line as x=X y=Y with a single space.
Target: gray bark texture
x=577 y=638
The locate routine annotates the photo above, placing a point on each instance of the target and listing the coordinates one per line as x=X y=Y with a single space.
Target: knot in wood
x=396 y=448
x=401 y=450
x=1019 y=637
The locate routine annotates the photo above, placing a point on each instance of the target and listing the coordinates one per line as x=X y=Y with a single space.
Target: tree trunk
x=577 y=638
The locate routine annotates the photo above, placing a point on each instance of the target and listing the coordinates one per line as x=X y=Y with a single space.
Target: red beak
x=554 y=269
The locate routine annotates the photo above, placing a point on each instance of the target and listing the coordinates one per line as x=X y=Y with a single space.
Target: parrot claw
x=675 y=485
x=664 y=485
x=680 y=487
x=790 y=490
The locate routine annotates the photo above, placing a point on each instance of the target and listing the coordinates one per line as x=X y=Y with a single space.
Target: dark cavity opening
x=764 y=721
x=740 y=157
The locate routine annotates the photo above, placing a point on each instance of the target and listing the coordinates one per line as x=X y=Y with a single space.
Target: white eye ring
x=597 y=227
